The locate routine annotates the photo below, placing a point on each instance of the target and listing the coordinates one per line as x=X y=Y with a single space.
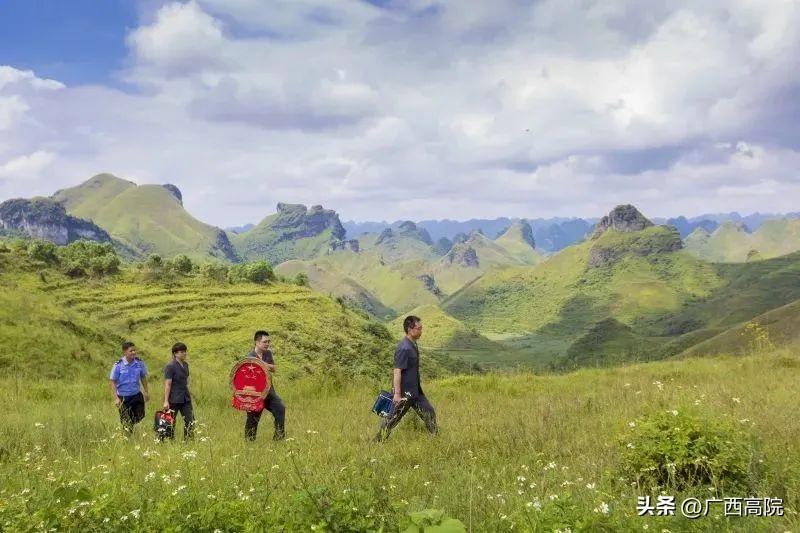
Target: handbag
x=383 y=404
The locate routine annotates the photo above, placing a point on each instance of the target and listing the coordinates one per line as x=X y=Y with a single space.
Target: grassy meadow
x=515 y=452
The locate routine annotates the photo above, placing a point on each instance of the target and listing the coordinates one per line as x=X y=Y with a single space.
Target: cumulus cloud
x=26 y=167
x=435 y=108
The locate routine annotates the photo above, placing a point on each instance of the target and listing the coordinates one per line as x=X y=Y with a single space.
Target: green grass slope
x=145 y=219
x=81 y=322
x=730 y=243
x=778 y=327
x=517 y=241
x=542 y=310
x=323 y=277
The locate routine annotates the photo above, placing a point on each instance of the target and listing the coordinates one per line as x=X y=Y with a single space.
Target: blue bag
x=383 y=404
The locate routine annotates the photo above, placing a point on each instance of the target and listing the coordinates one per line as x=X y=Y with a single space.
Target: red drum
x=250 y=383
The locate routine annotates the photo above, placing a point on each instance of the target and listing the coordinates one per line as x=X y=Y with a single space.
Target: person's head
x=261 y=338
x=179 y=351
x=412 y=325
x=128 y=350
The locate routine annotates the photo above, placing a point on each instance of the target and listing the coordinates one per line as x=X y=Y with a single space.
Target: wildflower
x=673 y=412
x=631 y=424
x=736 y=400
x=427 y=483
x=135 y=513
x=191 y=454
x=590 y=486
x=744 y=420
x=550 y=465
x=659 y=385
x=566 y=483
x=627 y=385
x=416 y=466
x=39 y=425
x=521 y=479
x=275 y=467
x=531 y=485
x=602 y=508
x=553 y=497
x=630 y=445
x=179 y=489
x=203 y=439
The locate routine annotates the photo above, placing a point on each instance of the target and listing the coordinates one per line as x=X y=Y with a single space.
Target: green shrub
x=256 y=272
x=301 y=279
x=43 y=251
x=677 y=451
x=432 y=520
x=214 y=271
x=181 y=264
x=82 y=258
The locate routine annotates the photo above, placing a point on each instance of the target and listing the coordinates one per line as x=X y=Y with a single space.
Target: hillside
x=146 y=219
x=623 y=296
x=731 y=242
x=293 y=232
x=86 y=319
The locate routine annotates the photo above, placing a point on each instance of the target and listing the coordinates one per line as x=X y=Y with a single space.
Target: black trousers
x=131 y=411
x=274 y=405
x=421 y=406
x=187 y=412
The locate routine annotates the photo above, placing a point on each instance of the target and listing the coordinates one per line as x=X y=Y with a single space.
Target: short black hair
x=126 y=345
x=410 y=322
x=178 y=347
x=260 y=333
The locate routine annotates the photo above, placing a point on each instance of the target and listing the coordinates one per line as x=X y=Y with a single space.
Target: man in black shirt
x=272 y=402
x=406 y=387
x=176 y=388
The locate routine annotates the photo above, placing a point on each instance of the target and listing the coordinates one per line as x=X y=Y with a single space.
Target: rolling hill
x=63 y=326
x=731 y=242
x=145 y=219
x=628 y=294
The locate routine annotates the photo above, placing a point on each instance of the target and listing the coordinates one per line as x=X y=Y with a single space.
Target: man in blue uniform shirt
x=406 y=386
x=128 y=380
x=272 y=402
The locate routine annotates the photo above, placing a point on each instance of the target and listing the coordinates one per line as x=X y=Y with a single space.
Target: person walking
x=272 y=402
x=407 y=390
x=176 y=389
x=128 y=382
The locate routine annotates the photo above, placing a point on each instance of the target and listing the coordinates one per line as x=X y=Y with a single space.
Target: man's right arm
x=397 y=373
x=114 y=392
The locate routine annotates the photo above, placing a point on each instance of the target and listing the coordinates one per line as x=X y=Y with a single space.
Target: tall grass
x=521 y=452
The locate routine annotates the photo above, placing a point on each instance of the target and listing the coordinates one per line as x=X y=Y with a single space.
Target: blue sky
x=74 y=41
x=419 y=109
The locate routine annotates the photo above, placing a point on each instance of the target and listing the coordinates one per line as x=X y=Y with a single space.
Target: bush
x=181 y=264
x=154 y=262
x=301 y=279
x=43 y=251
x=82 y=258
x=257 y=272
x=214 y=271
x=677 y=451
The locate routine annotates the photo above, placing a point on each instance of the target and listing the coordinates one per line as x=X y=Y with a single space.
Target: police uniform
x=126 y=377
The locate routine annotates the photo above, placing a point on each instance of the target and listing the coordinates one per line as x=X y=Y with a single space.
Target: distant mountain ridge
x=293 y=232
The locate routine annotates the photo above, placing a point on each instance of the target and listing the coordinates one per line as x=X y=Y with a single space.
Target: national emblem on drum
x=250 y=383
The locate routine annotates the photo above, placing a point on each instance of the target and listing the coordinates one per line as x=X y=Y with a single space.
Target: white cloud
x=435 y=109
x=26 y=167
